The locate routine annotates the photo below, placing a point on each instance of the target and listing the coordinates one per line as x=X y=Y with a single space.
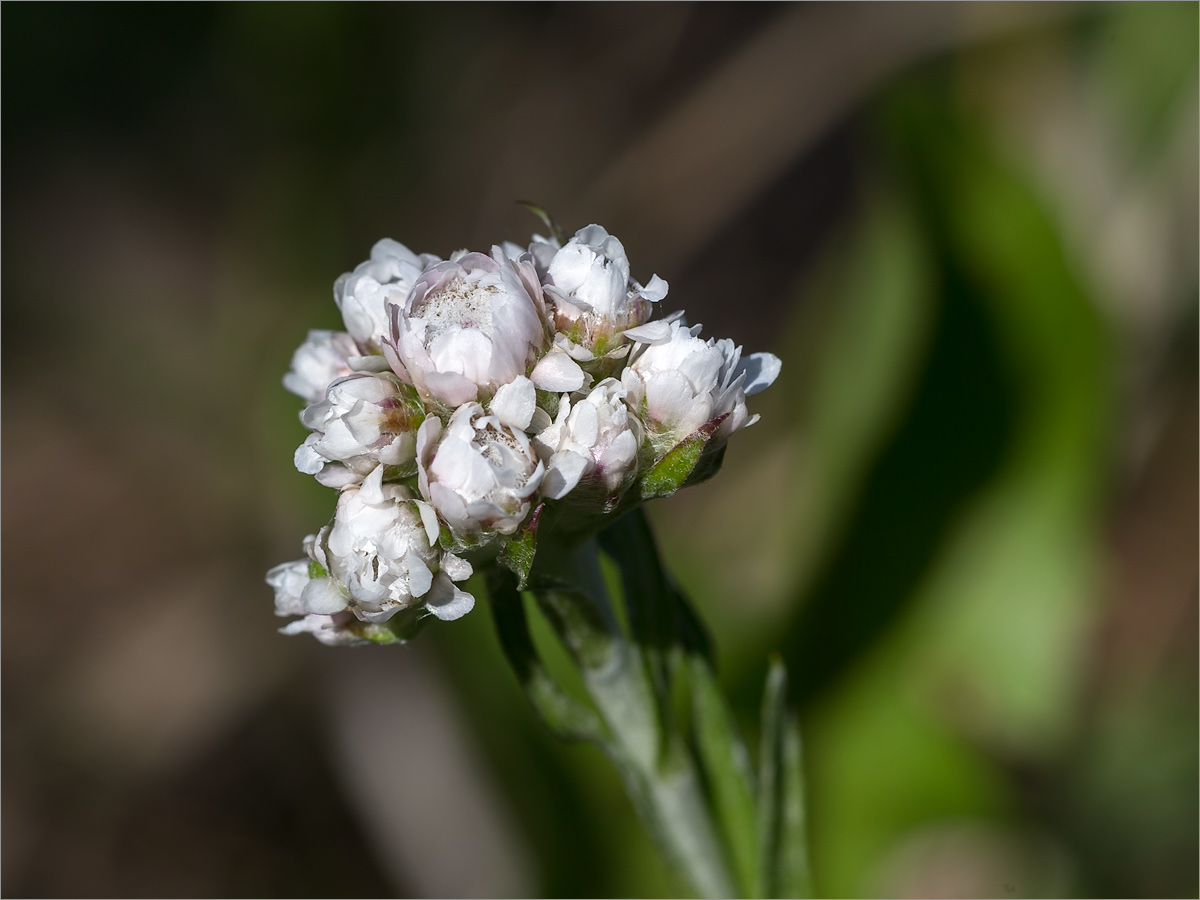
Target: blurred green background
x=967 y=519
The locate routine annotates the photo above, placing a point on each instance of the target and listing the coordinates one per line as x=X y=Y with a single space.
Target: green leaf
x=730 y=777
x=564 y=716
x=517 y=555
x=794 y=878
x=782 y=826
x=316 y=570
x=671 y=472
x=556 y=230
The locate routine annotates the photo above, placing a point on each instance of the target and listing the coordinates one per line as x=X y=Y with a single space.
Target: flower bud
x=322 y=358
x=364 y=294
x=364 y=421
x=380 y=556
x=592 y=295
x=477 y=472
x=593 y=441
x=680 y=382
x=469 y=325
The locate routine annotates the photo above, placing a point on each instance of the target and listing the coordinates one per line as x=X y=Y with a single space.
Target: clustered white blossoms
x=467 y=396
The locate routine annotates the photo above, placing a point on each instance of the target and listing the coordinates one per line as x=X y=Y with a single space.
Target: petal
x=563 y=473
x=337 y=476
x=557 y=372
x=419 y=576
x=430 y=520
x=451 y=388
x=650 y=333
x=307 y=459
x=446 y=601
x=288 y=581
x=761 y=371
x=457 y=568
x=654 y=290
x=322 y=597
x=514 y=403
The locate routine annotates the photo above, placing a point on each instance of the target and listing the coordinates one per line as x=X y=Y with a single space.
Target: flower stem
x=659 y=771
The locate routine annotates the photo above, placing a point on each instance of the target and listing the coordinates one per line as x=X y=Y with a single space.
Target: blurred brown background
x=967 y=518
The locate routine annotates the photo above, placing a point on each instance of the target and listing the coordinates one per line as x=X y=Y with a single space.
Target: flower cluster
x=469 y=395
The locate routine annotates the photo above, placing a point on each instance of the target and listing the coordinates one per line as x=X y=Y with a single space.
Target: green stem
x=659 y=771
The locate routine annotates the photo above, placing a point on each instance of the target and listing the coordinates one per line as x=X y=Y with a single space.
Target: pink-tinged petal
x=451 y=388
x=368 y=363
x=557 y=372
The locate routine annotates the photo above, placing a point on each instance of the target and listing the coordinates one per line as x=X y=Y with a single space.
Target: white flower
x=364 y=294
x=478 y=472
x=595 y=440
x=680 y=382
x=381 y=556
x=587 y=281
x=469 y=325
x=323 y=357
x=365 y=420
x=289 y=580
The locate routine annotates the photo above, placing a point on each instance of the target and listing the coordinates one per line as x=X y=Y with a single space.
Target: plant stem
x=659 y=771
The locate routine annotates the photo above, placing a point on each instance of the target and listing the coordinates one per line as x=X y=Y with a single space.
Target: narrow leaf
x=565 y=716
x=794 y=875
x=771 y=779
x=727 y=766
x=671 y=472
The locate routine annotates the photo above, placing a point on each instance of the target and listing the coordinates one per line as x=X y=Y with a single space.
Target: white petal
x=322 y=597
x=514 y=403
x=563 y=473
x=650 y=333
x=307 y=459
x=419 y=576
x=655 y=289
x=337 y=476
x=446 y=601
x=761 y=371
x=371 y=363
x=288 y=581
x=430 y=520
x=557 y=372
x=456 y=567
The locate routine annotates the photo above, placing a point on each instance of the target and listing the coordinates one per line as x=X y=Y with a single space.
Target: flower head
x=323 y=357
x=595 y=440
x=364 y=421
x=380 y=557
x=364 y=294
x=679 y=383
x=593 y=298
x=469 y=325
x=478 y=472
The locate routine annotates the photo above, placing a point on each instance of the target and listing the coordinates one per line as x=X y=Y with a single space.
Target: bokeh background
x=967 y=519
